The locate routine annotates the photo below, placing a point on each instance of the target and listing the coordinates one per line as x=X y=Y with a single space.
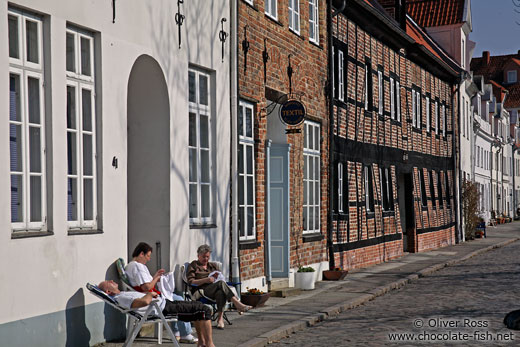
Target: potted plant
x=254 y=297
x=304 y=278
x=336 y=274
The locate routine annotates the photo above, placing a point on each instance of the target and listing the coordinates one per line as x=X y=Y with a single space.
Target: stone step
x=285 y=292
x=277 y=283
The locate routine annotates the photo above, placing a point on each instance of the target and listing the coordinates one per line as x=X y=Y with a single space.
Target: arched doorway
x=148 y=145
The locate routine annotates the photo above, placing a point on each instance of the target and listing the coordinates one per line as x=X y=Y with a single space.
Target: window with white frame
x=81 y=130
x=414 y=110
x=380 y=104
x=444 y=120
x=369 y=189
x=26 y=121
x=366 y=88
x=294 y=15
x=246 y=169
x=387 y=199
x=341 y=84
x=511 y=76
x=340 y=187
x=271 y=8
x=311 y=177
x=428 y=114
x=398 y=94
x=419 y=107
x=200 y=151
x=392 y=98
x=314 y=21
x=437 y=120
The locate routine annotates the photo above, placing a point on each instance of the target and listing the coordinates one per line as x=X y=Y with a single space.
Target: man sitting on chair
x=190 y=310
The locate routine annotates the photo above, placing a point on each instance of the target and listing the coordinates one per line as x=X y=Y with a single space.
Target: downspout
x=456 y=173
x=235 y=267
x=330 y=245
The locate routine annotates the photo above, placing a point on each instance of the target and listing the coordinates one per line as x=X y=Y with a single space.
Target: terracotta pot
x=333 y=275
x=255 y=300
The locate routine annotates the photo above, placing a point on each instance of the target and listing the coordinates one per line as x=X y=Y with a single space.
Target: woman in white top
x=162 y=283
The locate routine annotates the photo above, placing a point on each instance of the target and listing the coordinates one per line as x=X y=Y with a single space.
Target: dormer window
x=511 y=76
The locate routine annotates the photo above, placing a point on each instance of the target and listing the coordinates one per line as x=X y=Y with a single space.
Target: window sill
x=296 y=33
x=340 y=215
x=316 y=44
x=250 y=5
x=312 y=237
x=84 y=231
x=249 y=244
x=388 y=213
x=22 y=234
x=203 y=226
x=273 y=20
x=371 y=215
x=417 y=130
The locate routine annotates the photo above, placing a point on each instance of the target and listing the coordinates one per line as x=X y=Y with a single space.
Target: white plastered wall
x=57 y=266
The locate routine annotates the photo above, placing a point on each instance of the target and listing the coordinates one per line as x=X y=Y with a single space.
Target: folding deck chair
x=198 y=293
x=136 y=320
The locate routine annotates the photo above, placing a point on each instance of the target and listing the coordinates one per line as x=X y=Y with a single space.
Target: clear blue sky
x=494 y=26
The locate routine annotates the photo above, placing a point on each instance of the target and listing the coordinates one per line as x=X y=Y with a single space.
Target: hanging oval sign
x=292 y=112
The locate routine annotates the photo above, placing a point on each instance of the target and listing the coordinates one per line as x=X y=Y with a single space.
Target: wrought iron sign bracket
x=113 y=11
x=245 y=47
x=289 y=74
x=179 y=19
x=222 y=35
x=265 y=57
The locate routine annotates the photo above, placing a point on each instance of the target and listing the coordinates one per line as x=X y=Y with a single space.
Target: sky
x=495 y=27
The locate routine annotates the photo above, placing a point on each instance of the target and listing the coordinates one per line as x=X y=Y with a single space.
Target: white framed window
x=414 y=110
x=271 y=8
x=428 y=114
x=199 y=146
x=314 y=21
x=294 y=15
x=418 y=105
x=341 y=85
x=246 y=172
x=26 y=122
x=81 y=131
x=387 y=199
x=333 y=72
x=437 y=123
x=380 y=104
x=444 y=120
x=369 y=189
x=392 y=98
x=340 y=187
x=366 y=87
x=511 y=76
x=311 y=177
x=398 y=95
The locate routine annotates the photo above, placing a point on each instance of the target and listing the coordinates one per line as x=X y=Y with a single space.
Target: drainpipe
x=456 y=161
x=330 y=246
x=235 y=267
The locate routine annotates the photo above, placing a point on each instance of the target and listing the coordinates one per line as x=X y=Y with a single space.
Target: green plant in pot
x=304 y=278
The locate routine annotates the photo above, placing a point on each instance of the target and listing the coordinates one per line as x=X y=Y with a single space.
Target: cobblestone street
x=471 y=297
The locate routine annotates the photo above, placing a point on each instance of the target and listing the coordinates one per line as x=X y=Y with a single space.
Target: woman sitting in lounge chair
x=162 y=283
x=206 y=276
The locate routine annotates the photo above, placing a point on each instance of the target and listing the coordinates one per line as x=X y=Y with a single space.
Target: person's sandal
x=189 y=339
x=220 y=327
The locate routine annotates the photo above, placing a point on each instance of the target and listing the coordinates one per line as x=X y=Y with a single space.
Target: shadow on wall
x=77 y=331
x=115 y=321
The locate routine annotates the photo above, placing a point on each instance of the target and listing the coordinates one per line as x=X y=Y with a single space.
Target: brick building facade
x=283 y=201
x=394 y=91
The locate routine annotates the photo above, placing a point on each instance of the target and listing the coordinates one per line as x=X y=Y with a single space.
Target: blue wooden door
x=279 y=210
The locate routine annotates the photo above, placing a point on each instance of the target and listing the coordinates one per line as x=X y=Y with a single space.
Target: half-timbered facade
x=393 y=122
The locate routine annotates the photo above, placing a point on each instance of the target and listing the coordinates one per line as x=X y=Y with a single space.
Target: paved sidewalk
x=281 y=316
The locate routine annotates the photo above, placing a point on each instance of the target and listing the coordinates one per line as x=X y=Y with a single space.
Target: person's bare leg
x=206 y=333
x=220 y=319
x=200 y=334
x=238 y=305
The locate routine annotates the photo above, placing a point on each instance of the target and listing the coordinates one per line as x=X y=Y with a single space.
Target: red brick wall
x=309 y=80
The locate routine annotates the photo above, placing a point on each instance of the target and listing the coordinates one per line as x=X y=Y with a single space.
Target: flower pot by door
x=304 y=280
x=256 y=300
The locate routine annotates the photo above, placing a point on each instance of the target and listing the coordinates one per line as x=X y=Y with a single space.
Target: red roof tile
x=494 y=71
x=430 y=13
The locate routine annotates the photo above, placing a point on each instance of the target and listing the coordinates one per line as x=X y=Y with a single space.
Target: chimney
x=485 y=55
